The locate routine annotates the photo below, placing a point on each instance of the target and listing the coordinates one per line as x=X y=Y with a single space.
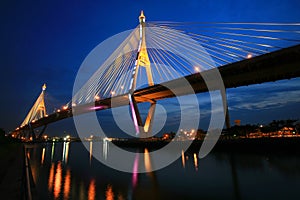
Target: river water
x=65 y=170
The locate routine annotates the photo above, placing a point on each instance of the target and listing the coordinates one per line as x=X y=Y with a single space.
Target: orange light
x=67 y=184
x=65 y=107
x=92 y=190
x=57 y=181
x=249 y=56
x=58 y=110
x=109 y=193
x=97 y=97
x=51 y=177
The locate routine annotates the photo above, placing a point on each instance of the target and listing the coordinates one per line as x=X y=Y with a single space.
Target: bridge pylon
x=142 y=61
x=37 y=112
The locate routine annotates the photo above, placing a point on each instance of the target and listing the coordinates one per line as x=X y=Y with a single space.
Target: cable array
x=177 y=49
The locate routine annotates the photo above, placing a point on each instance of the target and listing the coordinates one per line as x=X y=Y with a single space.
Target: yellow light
x=58 y=110
x=65 y=107
x=44 y=87
x=249 y=56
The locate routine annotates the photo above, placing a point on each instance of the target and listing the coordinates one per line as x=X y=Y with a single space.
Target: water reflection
x=91 y=152
x=109 y=193
x=81 y=191
x=65 y=152
x=92 y=190
x=57 y=181
x=52 y=151
x=67 y=172
x=43 y=156
x=196 y=161
x=147 y=161
x=51 y=177
x=182 y=158
x=67 y=184
x=105 y=149
x=135 y=170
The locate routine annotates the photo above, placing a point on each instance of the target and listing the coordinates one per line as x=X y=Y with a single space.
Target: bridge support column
x=149 y=119
x=143 y=130
x=31 y=132
x=136 y=117
x=42 y=132
x=225 y=107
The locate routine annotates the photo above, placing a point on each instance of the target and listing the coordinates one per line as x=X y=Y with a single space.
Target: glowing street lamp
x=197 y=69
x=97 y=98
x=249 y=56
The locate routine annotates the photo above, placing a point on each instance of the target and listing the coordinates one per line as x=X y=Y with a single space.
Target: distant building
x=237 y=122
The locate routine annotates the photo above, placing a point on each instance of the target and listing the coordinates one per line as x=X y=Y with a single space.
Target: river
x=66 y=170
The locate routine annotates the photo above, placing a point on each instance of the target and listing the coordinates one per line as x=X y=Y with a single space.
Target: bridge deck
x=278 y=65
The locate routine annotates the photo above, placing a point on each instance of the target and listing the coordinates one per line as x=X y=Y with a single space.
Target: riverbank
x=11 y=170
x=282 y=144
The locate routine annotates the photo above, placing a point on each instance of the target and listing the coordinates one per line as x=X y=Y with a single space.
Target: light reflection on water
x=68 y=171
x=57 y=181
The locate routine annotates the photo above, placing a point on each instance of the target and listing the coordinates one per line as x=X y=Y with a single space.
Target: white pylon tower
x=141 y=61
x=38 y=109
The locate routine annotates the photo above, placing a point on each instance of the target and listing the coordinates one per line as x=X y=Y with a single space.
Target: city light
x=249 y=56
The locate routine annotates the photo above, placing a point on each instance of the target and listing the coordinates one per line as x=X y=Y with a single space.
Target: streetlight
x=97 y=98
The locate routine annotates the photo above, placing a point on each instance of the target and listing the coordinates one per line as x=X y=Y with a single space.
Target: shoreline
x=281 y=144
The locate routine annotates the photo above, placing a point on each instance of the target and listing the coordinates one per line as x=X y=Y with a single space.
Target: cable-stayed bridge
x=163 y=55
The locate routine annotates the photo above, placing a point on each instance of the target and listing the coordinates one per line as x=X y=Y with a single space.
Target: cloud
x=267 y=96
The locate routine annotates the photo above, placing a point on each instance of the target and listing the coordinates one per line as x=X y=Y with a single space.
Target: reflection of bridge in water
x=239 y=62
x=57 y=168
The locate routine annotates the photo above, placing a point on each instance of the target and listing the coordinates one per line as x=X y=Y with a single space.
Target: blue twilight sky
x=46 y=42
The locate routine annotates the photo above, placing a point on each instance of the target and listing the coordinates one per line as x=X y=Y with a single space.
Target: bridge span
x=277 y=65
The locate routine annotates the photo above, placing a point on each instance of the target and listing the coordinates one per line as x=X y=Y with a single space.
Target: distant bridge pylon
x=38 y=111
